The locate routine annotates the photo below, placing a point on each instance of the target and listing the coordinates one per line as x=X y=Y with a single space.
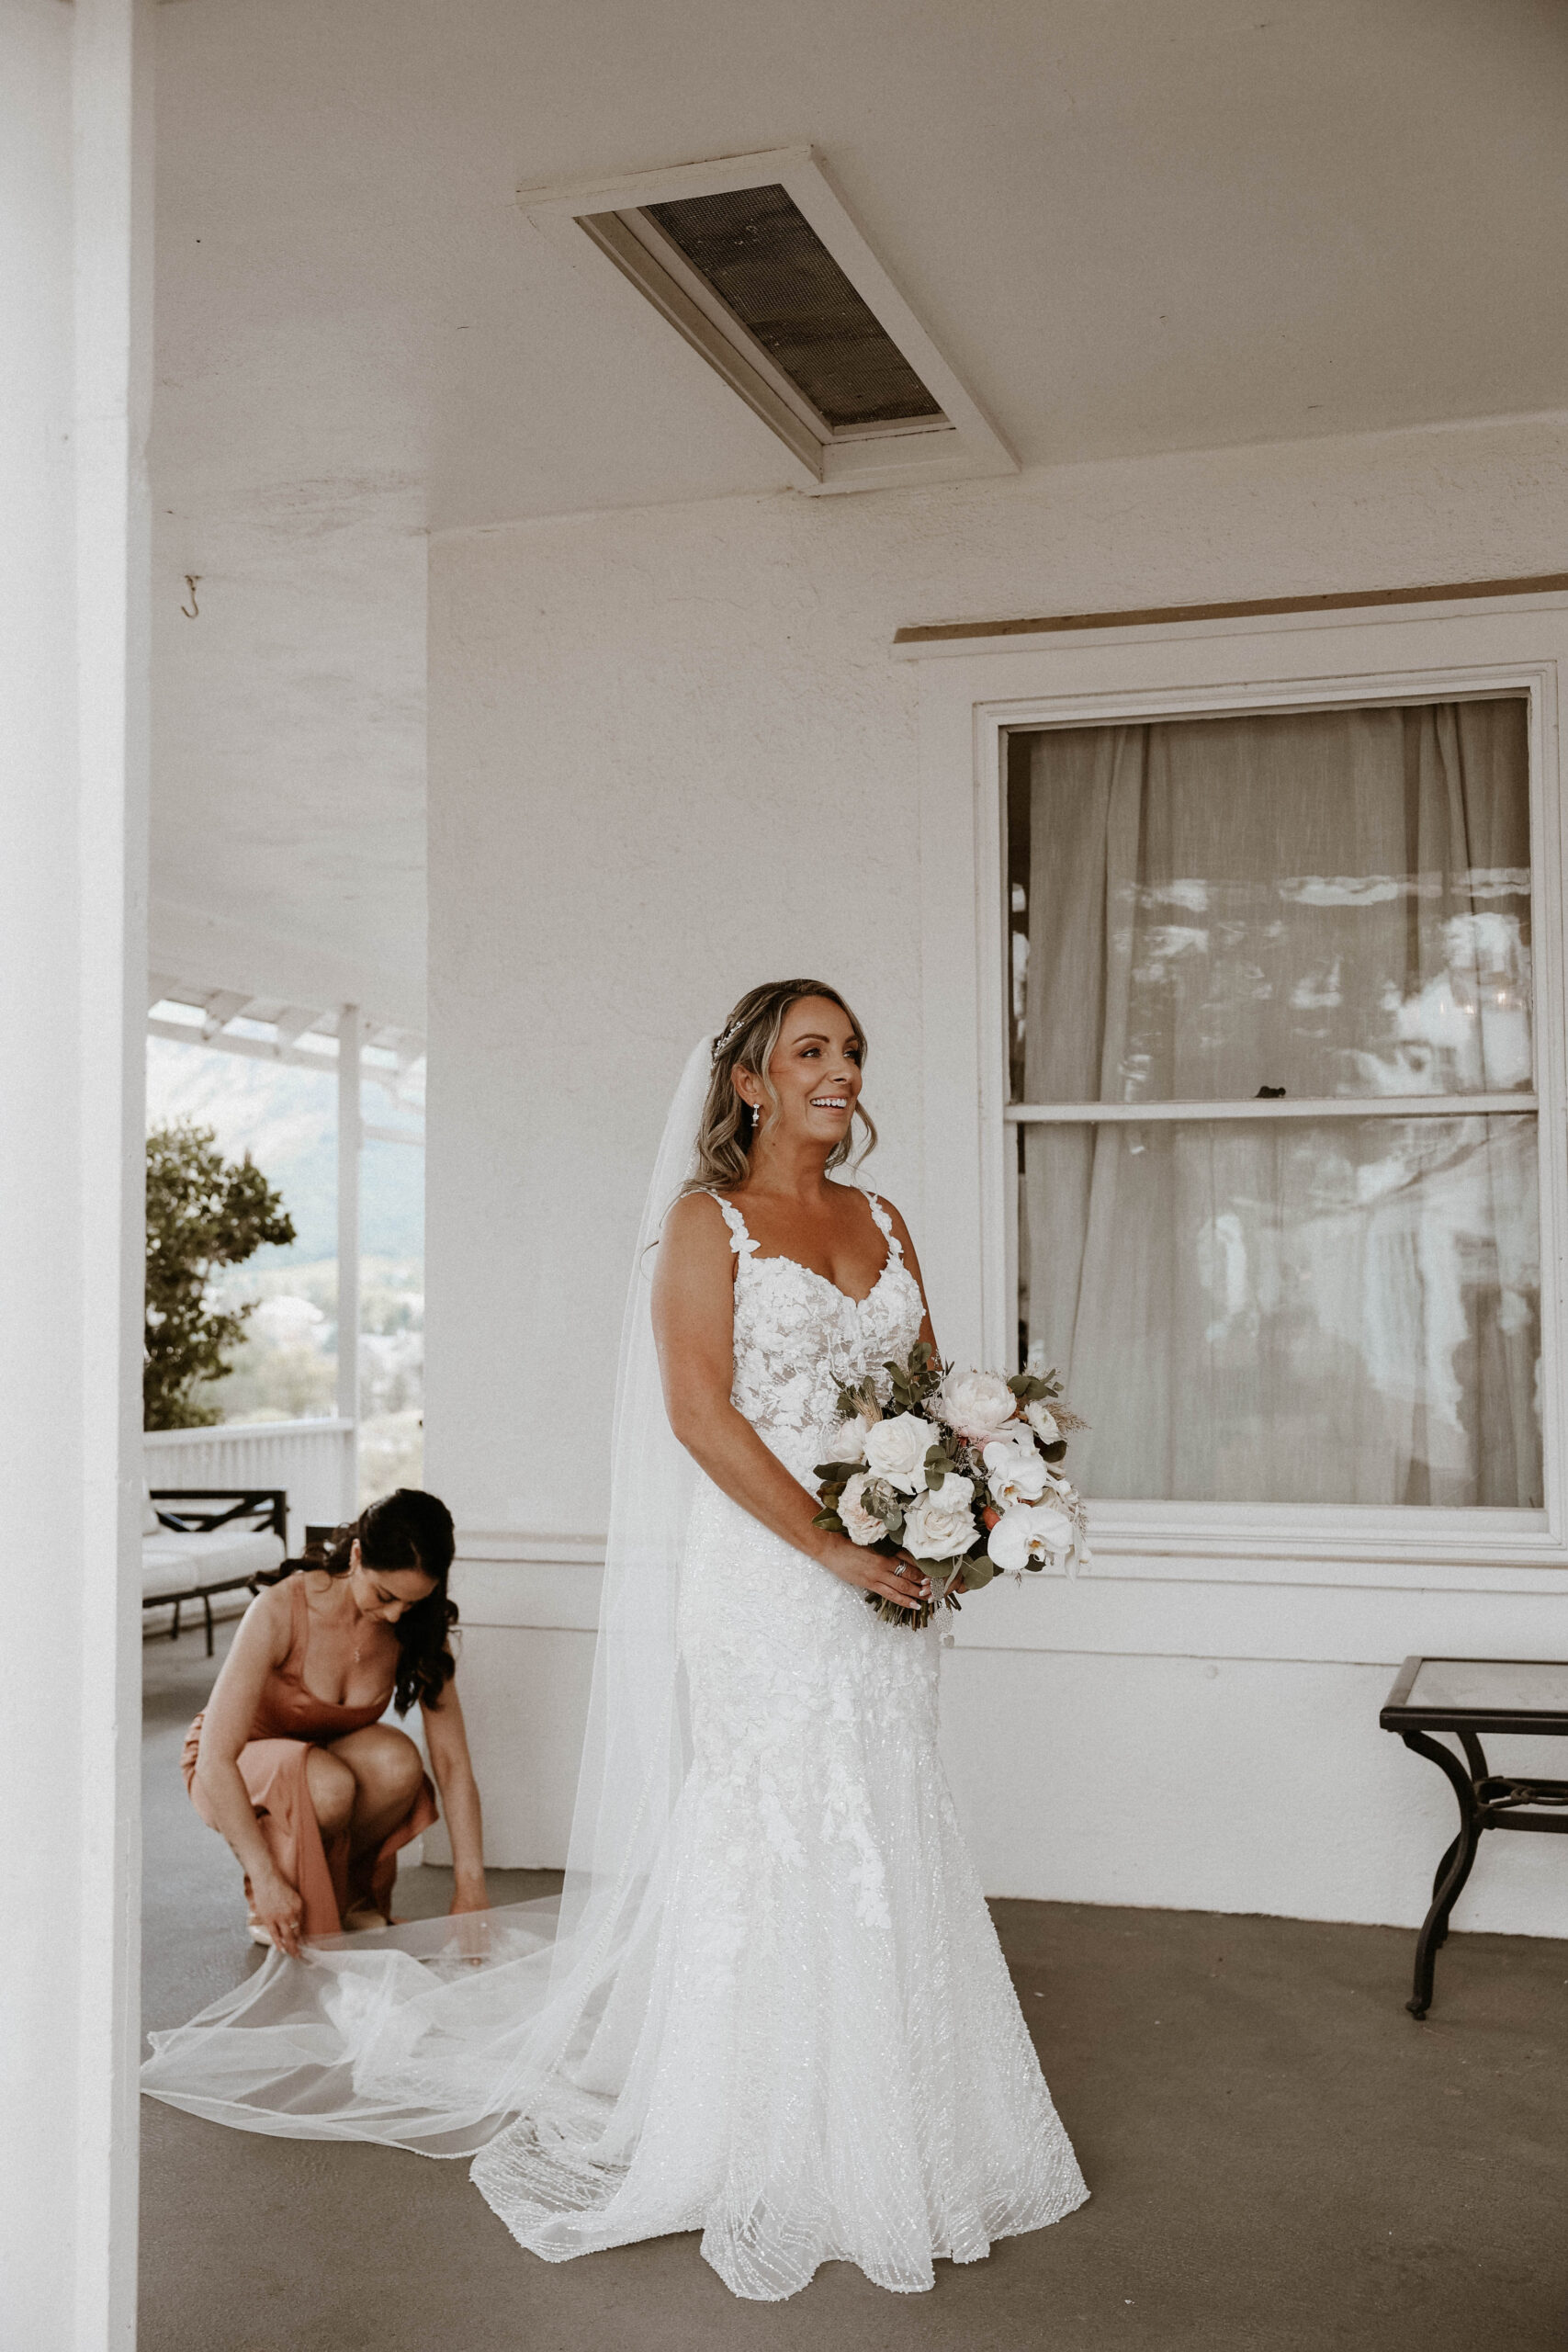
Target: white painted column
x=350 y=1038
x=75 y=225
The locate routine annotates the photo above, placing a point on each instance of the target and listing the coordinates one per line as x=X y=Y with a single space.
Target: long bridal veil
x=436 y=2036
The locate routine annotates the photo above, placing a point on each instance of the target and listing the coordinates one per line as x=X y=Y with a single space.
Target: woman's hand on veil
x=277 y=1906
x=902 y=1580
x=471 y=1904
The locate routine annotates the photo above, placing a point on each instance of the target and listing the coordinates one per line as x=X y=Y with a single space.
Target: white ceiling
x=1133 y=225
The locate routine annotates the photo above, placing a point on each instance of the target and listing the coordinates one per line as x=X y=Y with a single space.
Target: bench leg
x=175 y=1628
x=206 y=1609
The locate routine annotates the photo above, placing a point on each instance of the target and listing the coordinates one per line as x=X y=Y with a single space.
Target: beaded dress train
x=819 y=2054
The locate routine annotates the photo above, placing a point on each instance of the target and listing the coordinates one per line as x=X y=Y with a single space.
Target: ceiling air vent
x=756 y=264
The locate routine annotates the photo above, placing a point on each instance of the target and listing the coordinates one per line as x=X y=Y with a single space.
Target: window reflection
x=1312 y=905
x=1337 y=1311
x=1183 y=911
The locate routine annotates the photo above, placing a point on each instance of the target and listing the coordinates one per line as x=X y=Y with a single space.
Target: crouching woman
x=291 y=1760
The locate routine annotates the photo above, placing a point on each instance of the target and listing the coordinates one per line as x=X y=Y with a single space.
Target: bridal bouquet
x=961 y=1473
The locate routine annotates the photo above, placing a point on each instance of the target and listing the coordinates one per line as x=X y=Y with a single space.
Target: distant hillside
x=287 y=1119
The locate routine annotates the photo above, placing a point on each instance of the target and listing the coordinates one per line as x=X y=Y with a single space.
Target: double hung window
x=1273 y=1101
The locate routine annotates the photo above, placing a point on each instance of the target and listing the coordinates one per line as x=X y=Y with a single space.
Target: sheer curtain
x=1333 y=904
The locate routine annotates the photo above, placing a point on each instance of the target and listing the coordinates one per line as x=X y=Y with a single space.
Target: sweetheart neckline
x=781 y=1258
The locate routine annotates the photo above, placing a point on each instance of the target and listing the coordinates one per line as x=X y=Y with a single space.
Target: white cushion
x=175 y=1563
x=150 y=1522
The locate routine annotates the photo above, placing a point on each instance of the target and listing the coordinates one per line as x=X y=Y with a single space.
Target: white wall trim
x=1195 y=631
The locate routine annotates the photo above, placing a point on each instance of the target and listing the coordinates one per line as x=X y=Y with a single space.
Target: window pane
x=1326 y=903
x=1290 y=1310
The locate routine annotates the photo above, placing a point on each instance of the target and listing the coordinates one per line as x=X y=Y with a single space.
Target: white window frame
x=972 y=693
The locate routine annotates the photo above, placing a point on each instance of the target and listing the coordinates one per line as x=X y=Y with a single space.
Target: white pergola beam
x=292 y=1020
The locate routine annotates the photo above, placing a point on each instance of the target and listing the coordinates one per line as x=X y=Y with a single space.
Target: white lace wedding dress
x=831 y=2064
x=789 y=2024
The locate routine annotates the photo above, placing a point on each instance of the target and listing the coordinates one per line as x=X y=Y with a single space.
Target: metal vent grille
x=762 y=256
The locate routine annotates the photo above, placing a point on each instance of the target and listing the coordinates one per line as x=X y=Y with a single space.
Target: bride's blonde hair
x=747 y=1042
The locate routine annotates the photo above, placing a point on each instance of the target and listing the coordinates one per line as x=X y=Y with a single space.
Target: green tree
x=203 y=1212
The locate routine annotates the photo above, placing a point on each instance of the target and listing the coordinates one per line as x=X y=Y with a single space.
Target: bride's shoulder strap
x=741 y=1240
x=884 y=1225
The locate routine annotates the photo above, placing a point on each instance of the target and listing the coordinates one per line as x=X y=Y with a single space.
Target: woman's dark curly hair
x=407 y=1529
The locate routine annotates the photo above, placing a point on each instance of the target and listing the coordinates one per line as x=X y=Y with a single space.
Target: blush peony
x=861 y=1525
x=975 y=1404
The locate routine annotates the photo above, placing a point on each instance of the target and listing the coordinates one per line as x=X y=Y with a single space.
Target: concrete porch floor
x=1280 y=2158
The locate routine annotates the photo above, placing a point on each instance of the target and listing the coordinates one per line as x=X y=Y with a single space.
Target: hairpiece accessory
x=725 y=1038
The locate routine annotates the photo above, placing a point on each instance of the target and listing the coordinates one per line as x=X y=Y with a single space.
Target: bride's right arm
x=694 y=1326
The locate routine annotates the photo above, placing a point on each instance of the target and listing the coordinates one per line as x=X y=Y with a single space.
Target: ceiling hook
x=193 y=611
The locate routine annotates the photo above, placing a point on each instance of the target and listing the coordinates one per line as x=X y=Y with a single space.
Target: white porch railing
x=314 y=1461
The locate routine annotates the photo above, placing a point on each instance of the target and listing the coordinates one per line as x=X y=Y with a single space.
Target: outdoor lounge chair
x=198 y=1541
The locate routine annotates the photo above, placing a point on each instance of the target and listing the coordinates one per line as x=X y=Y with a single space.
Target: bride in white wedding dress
x=772 y=2006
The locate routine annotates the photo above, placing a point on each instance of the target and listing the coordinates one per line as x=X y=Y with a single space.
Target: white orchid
x=1029 y=1533
x=941 y=1525
x=975 y=1404
x=896 y=1450
x=1014 y=1471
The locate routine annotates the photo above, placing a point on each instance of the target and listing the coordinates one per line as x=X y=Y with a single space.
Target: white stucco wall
x=671 y=755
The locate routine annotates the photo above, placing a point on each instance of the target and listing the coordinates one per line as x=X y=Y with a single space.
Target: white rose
x=975 y=1404
x=941 y=1524
x=1027 y=1533
x=861 y=1525
x=847 y=1440
x=1014 y=1471
x=1042 y=1421
x=896 y=1450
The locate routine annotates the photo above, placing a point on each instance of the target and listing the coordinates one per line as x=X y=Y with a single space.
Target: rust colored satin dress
x=290 y=1721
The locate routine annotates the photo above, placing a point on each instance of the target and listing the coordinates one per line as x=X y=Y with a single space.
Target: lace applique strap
x=741 y=1240
x=884 y=1225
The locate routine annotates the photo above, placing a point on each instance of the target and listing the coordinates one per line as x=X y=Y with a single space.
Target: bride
x=772 y=2007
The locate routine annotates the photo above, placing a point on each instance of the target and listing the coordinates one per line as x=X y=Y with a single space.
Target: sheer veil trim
x=439 y=2056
